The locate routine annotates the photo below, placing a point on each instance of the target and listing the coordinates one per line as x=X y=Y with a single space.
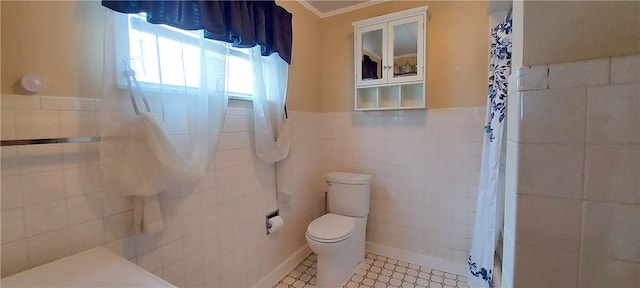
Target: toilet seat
x=330 y=228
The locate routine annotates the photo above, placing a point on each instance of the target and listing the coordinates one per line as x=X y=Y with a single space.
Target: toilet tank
x=349 y=193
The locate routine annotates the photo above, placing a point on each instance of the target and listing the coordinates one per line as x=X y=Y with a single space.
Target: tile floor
x=378 y=272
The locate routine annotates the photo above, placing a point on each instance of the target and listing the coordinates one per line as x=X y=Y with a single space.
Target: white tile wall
x=540 y=267
x=611 y=230
x=425 y=167
x=579 y=74
x=535 y=177
x=625 y=70
x=603 y=272
x=54 y=204
x=616 y=182
x=613 y=114
x=561 y=235
x=532 y=78
x=545 y=118
x=577 y=156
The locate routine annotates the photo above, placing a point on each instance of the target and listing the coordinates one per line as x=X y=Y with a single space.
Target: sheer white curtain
x=169 y=144
x=272 y=137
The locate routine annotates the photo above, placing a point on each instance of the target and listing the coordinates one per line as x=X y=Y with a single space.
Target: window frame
x=123 y=49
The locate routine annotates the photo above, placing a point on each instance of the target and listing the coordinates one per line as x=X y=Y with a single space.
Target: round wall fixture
x=32 y=83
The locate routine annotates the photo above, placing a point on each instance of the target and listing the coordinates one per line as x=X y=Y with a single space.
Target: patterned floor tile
x=378 y=272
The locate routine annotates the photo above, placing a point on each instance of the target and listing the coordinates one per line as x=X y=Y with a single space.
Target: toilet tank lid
x=349 y=178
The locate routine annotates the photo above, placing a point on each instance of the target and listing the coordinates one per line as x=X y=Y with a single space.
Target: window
x=179 y=56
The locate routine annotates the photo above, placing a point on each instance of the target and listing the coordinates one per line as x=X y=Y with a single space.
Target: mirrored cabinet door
x=405 y=50
x=370 y=65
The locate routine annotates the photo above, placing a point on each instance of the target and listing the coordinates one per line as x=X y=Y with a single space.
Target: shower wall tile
x=118 y=226
x=67 y=103
x=532 y=78
x=625 y=70
x=9 y=161
x=553 y=116
x=86 y=235
x=512 y=165
x=12 y=225
x=45 y=217
x=36 y=124
x=611 y=230
x=85 y=180
x=42 y=187
x=76 y=155
x=603 y=272
x=11 y=196
x=553 y=170
x=14 y=257
x=616 y=182
x=113 y=203
x=541 y=213
x=7 y=125
x=579 y=74
x=78 y=124
x=84 y=208
x=613 y=114
x=540 y=267
x=39 y=158
x=511 y=209
x=508 y=257
x=589 y=177
x=48 y=246
x=125 y=247
x=150 y=261
x=20 y=102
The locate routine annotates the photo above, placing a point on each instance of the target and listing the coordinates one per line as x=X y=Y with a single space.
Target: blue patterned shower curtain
x=488 y=222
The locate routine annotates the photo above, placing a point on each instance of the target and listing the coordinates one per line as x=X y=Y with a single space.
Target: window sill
x=240 y=98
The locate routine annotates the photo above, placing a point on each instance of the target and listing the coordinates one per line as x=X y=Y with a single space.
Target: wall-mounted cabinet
x=390 y=61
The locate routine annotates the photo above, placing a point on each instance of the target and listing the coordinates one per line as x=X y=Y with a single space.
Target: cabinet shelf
x=390 y=97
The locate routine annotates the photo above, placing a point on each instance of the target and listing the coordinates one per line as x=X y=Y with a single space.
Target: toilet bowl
x=330 y=237
x=338 y=237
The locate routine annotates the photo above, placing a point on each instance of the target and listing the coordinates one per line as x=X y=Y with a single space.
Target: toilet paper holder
x=269 y=216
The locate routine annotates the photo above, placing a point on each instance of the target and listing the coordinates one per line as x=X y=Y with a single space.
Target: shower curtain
x=488 y=221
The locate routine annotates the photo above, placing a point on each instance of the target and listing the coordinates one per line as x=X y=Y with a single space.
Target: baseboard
x=284 y=268
x=436 y=263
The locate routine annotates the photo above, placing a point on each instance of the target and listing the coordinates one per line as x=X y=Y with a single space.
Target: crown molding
x=342 y=10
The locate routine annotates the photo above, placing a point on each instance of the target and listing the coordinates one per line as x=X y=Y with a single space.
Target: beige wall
x=304 y=90
x=457 y=53
x=566 y=31
x=61 y=41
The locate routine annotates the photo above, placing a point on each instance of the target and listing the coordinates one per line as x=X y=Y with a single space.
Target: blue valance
x=243 y=23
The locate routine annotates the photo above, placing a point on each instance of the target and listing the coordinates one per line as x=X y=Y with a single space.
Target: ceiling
x=327 y=8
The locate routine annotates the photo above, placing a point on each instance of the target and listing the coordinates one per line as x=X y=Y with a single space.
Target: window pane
x=168 y=56
x=171 y=62
x=143 y=56
x=216 y=67
x=240 y=76
x=191 y=56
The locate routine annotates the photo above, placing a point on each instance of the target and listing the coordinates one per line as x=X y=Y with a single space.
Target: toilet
x=338 y=237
